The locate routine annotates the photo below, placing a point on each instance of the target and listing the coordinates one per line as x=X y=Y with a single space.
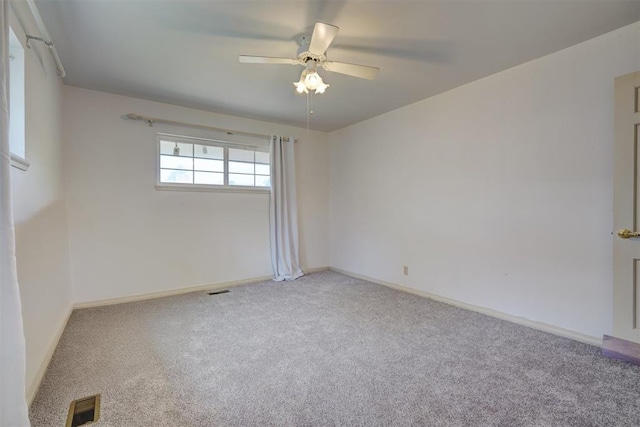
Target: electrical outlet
x=405 y=270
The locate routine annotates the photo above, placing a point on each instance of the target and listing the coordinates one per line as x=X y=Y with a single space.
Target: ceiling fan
x=311 y=55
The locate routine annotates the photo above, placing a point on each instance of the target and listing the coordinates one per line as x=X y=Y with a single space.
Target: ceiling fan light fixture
x=310 y=80
x=300 y=87
x=322 y=87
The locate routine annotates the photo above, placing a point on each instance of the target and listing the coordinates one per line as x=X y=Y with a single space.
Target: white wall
x=497 y=193
x=127 y=238
x=39 y=208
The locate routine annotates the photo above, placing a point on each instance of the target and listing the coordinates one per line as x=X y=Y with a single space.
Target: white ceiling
x=185 y=52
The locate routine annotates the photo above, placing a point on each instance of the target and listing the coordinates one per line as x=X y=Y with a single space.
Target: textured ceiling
x=185 y=52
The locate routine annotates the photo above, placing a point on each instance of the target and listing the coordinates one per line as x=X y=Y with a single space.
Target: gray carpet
x=327 y=350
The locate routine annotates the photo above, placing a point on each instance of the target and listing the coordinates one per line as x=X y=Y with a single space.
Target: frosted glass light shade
x=310 y=80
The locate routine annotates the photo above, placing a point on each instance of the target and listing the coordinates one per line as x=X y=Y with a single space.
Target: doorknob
x=626 y=234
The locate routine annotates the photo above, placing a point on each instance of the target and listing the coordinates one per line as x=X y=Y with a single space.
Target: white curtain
x=13 y=407
x=283 y=218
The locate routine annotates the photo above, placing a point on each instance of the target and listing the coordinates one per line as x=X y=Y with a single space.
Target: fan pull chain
x=309 y=109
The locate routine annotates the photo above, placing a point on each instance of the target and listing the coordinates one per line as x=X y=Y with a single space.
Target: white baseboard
x=32 y=389
x=180 y=291
x=544 y=327
x=315 y=270
x=168 y=293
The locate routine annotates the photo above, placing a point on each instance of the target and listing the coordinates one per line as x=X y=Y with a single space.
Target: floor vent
x=218 y=292
x=84 y=411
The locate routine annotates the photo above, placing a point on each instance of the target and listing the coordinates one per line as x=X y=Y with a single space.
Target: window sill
x=19 y=162
x=211 y=189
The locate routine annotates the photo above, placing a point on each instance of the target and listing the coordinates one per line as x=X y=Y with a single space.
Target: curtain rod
x=151 y=120
x=46 y=38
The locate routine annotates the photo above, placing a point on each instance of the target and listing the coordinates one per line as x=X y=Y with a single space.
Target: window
x=17 y=103
x=189 y=162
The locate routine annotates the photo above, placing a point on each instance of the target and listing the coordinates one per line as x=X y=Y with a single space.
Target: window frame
x=18 y=161
x=226 y=188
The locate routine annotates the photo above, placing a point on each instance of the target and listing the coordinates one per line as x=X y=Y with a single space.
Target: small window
x=17 y=102
x=189 y=162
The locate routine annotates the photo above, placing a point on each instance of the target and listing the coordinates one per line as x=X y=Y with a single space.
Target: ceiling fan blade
x=323 y=35
x=362 y=71
x=249 y=59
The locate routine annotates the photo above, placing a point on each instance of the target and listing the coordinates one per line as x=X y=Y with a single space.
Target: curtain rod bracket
x=47 y=43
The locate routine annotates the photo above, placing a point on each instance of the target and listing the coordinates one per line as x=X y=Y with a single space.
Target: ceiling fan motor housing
x=304 y=56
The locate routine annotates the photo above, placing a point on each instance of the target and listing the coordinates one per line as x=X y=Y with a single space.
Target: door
x=626 y=212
